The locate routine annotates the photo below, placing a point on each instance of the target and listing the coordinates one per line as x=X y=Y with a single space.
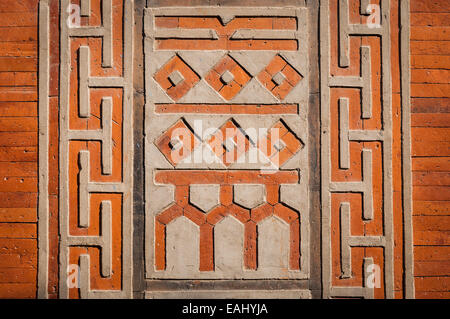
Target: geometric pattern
x=229 y=143
x=250 y=218
x=246 y=69
x=231 y=148
x=176 y=78
x=279 y=77
x=227 y=77
x=357 y=212
x=215 y=59
x=280 y=145
x=177 y=146
x=96 y=152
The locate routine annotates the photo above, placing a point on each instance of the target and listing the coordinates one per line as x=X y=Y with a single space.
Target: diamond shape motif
x=176 y=78
x=177 y=142
x=227 y=77
x=279 y=77
x=280 y=144
x=229 y=143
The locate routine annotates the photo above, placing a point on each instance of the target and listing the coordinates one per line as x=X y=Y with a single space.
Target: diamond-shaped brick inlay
x=279 y=77
x=229 y=143
x=227 y=77
x=176 y=78
x=280 y=144
x=177 y=142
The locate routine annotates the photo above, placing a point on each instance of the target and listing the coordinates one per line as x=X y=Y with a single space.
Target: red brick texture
x=430 y=107
x=18 y=148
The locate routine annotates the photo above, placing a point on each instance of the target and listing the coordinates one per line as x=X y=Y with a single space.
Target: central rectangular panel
x=226 y=143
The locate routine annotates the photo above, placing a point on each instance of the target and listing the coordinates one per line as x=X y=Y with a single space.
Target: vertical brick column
x=18 y=148
x=229 y=87
x=430 y=121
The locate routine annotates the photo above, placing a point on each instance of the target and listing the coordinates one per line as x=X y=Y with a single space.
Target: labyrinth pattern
x=356 y=146
x=96 y=150
x=212 y=212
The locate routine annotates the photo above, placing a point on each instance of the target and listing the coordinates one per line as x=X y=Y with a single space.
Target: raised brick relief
x=244 y=142
x=96 y=150
x=357 y=149
x=249 y=68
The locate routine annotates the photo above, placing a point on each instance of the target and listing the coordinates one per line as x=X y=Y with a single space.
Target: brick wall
x=18 y=148
x=430 y=106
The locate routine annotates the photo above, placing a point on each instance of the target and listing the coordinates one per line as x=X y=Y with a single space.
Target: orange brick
x=195 y=215
x=430 y=33
x=431 y=253
x=430 y=62
x=18 y=169
x=431 y=207
x=18 y=139
x=260 y=23
x=430 y=6
x=435 y=164
x=430 y=134
x=18 y=124
x=198 y=22
x=18 y=19
x=430 y=120
x=18 y=154
x=18 y=200
x=432 y=283
x=18 y=230
x=432 y=238
x=19 y=6
x=18 y=291
x=160 y=246
x=170 y=214
x=430 y=19
x=18 y=49
x=430 y=76
x=18 y=109
x=17 y=275
x=432 y=295
x=431 y=193
x=432 y=268
x=18 y=34
x=9 y=64
x=250 y=257
x=431 y=223
x=18 y=79
x=206 y=248
x=276 y=65
x=431 y=178
x=229 y=91
x=166 y=22
x=437 y=148
x=18 y=94
x=18 y=184
x=430 y=47
x=13 y=259
x=430 y=105
x=18 y=215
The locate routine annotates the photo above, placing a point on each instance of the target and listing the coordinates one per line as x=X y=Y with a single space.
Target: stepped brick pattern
x=224 y=149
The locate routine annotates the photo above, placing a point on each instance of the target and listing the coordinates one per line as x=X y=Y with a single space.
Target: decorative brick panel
x=126 y=147
x=248 y=67
x=360 y=168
